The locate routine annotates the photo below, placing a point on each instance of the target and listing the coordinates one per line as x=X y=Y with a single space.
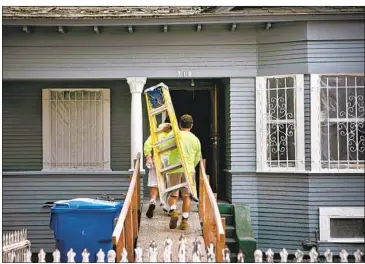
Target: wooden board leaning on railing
x=128 y=218
x=214 y=227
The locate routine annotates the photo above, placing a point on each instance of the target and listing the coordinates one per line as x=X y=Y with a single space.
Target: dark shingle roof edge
x=117 y=12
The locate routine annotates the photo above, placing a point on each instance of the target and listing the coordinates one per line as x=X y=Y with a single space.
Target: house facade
x=277 y=96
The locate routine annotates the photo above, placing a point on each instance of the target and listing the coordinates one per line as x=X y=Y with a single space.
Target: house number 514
x=184 y=74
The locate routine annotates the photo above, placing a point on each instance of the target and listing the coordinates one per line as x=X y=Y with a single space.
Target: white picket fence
x=17 y=249
x=16 y=246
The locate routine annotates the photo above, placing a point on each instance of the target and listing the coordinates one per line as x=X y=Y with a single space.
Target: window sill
x=281 y=170
x=338 y=171
x=343 y=240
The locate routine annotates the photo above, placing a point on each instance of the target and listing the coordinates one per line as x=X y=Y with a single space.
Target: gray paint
x=282 y=216
x=284 y=207
x=242 y=124
x=334 y=190
x=24 y=195
x=80 y=54
x=307 y=122
x=311 y=47
x=22 y=115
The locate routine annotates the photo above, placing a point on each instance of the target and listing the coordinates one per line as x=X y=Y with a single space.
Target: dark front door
x=197 y=104
x=202 y=105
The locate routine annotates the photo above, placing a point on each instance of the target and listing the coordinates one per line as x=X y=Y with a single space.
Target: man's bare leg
x=152 y=204
x=174 y=216
x=174 y=179
x=185 y=210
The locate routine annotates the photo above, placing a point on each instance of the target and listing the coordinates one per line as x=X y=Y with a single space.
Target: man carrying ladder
x=191 y=149
x=184 y=149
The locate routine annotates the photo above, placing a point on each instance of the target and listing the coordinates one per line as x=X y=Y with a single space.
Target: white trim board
x=325 y=215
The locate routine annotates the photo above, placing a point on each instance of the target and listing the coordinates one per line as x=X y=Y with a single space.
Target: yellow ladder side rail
x=176 y=130
x=156 y=155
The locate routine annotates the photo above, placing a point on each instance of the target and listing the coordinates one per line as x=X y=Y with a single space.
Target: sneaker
x=150 y=209
x=173 y=219
x=166 y=209
x=184 y=224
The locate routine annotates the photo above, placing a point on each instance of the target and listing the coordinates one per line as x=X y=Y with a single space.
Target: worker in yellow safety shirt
x=191 y=148
x=152 y=178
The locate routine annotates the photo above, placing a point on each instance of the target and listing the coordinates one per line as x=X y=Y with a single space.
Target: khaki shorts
x=175 y=179
x=152 y=177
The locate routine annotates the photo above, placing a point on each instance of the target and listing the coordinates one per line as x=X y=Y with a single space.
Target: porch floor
x=157 y=228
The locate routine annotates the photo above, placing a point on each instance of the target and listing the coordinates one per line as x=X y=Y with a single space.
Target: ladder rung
x=167 y=148
x=164 y=141
x=172 y=167
x=158 y=110
x=159 y=130
x=175 y=187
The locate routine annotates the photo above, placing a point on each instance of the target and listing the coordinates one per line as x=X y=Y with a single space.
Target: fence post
x=221 y=243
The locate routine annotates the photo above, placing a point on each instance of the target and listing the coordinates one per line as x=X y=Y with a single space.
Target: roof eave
x=188 y=19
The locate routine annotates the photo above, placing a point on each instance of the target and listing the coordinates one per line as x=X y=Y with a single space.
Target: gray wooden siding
x=22 y=123
x=307 y=121
x=284 y=207
x=243 y=124
x=336 y=56
x=335 y=47
x=228 y=175
x=279 y=205
x=334 y=190
x=24 y=195
x=244 y=190
x=46 y=54
x=282 y=58
x=282 y=49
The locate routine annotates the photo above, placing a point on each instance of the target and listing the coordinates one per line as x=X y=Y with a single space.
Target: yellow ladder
x=158 y=101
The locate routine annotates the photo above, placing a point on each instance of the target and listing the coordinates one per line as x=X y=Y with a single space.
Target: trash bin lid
x=87 y=203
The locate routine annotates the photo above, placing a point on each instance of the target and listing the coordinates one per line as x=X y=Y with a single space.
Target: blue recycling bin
x=84 y=223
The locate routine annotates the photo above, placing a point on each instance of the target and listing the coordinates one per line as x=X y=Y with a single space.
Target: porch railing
x=213 y=225
x=126 y=229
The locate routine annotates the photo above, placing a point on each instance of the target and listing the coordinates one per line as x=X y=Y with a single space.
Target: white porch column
x=136 y=85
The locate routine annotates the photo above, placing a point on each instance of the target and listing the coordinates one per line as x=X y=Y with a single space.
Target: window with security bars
x=76 y=129
x=338 y=122
x=280 y=123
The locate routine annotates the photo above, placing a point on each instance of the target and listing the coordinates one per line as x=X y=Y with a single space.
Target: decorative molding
x=136 y=84
x=233 y=27
x=96 y=29
x=26 y=29
x=61 y=29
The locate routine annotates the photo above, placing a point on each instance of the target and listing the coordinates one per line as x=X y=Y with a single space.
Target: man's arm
x=147 y=148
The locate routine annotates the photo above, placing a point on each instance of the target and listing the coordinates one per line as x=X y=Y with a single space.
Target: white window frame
x=46 y=127
x=261 y=118
x=316 y=124
x=325 y=215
